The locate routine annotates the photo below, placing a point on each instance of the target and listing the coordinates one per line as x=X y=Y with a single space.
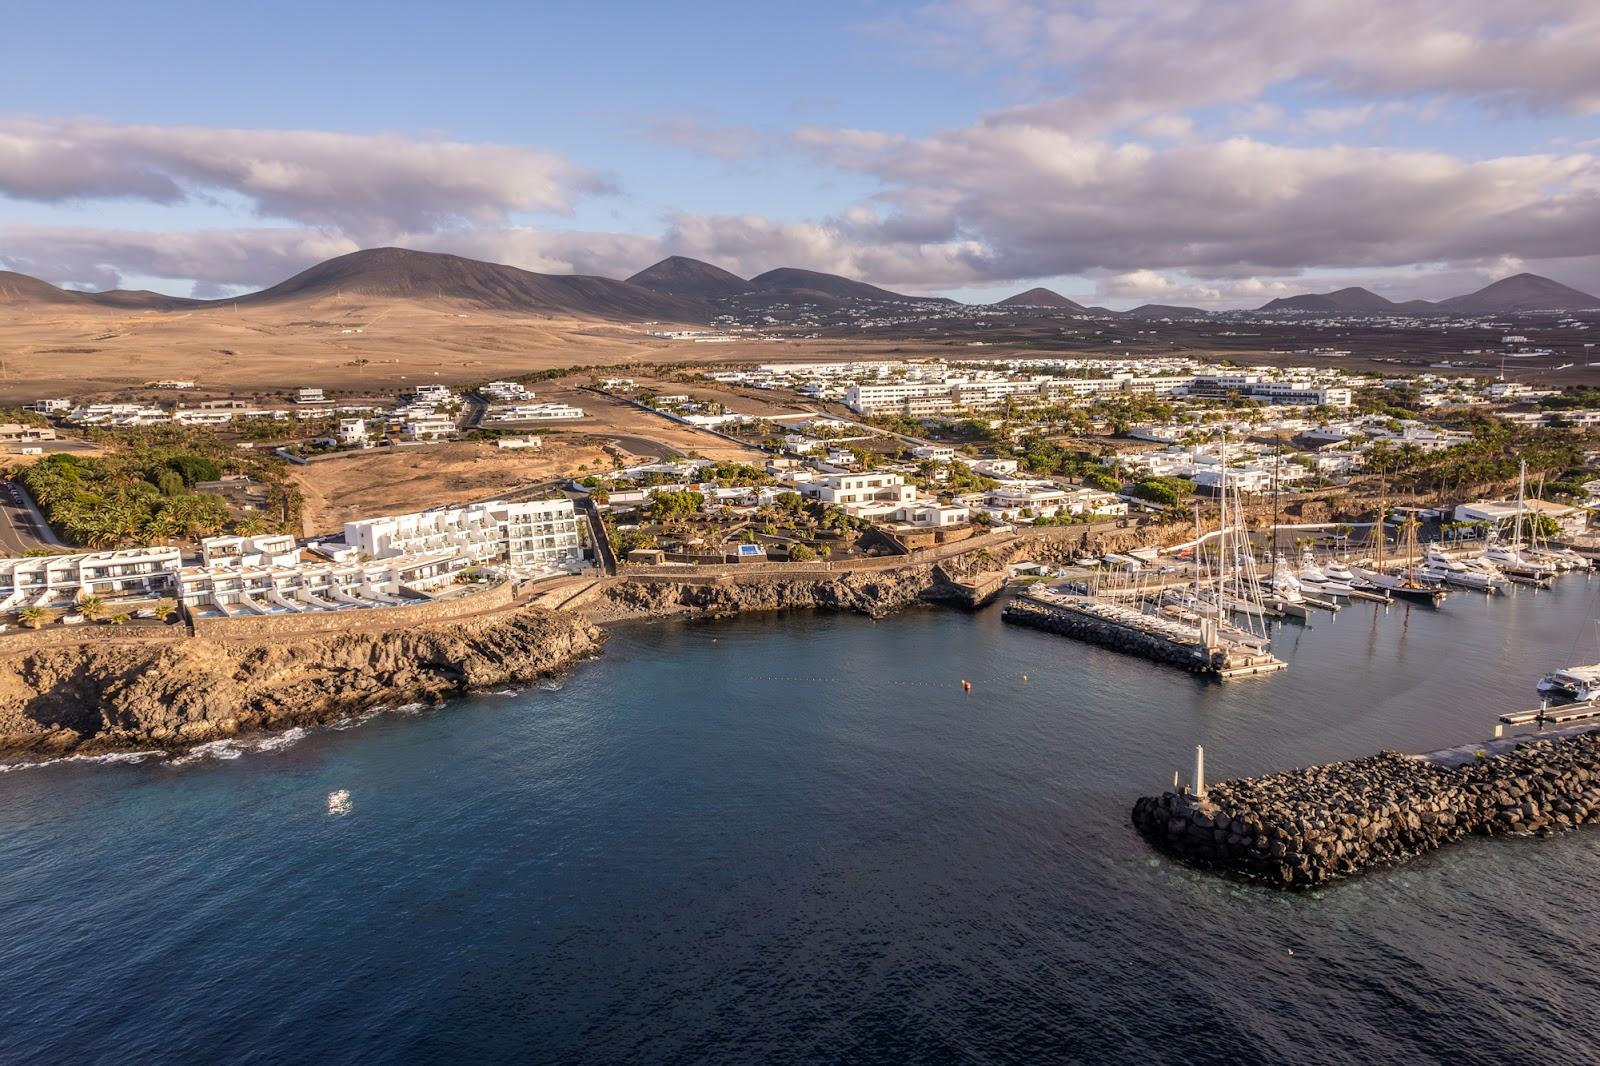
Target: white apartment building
x=432 y=394
x=535 y=412
x=540 y=534
x=59 y=580
x=311 y=396
x=118 y=414
x=52 y=407
x=313 y=585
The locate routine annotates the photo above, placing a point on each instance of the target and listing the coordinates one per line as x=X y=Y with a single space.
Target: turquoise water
x=796 y=838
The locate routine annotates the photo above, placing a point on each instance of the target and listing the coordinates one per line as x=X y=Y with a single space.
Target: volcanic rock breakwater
x=1307 y=827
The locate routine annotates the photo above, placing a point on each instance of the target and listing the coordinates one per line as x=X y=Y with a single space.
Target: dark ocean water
x=795 y=838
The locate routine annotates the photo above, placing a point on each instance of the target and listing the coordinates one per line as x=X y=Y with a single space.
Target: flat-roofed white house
x=1010 y=501
x=352 y=431
x=868 y=495
x=276 y=549
x=935 y=515
x=57 y=580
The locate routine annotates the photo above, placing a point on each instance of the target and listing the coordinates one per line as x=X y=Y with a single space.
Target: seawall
x=1306 y=827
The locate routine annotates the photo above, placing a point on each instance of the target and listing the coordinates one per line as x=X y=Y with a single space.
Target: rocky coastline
x=1307 y=827
x=94 y=698
x=99 y=697
x=877 y=592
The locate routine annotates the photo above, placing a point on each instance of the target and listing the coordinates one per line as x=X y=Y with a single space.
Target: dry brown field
x=397 y=480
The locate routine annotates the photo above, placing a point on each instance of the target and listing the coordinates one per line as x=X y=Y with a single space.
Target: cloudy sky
x=1120 y=151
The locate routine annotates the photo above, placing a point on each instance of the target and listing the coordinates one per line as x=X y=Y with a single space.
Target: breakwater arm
x=1307 y=827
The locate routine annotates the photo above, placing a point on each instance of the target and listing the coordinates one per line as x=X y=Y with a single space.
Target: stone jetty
x=1124 y=629
x=1307 y=827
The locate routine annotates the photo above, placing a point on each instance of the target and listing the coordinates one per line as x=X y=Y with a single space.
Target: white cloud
x=1124 y=60
x=1031 y=201
x=96 y=258
x=370 y=186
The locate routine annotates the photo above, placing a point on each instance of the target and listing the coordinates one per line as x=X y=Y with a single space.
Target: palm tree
x=33 y=617
x=92 y=607
x=165 y=608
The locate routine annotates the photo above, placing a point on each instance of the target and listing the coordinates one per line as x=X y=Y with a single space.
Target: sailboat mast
x=1222 y=540
x=1383 y=489
x=1522 y=482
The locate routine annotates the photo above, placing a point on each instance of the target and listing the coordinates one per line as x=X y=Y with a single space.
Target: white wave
x=551 y=686
x=234 y=747
x=130 y=757
x=411 y=708
x=339 y=802
x=350 y=721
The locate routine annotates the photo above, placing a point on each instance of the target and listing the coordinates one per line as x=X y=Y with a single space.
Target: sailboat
x=1404 y=585
x=1512 y=558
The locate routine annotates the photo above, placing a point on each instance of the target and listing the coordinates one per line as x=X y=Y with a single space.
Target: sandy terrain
x=403 y=479
x=613 y=417
x=96 y=351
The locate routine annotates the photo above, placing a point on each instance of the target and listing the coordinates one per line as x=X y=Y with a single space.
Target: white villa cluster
x=381 y=562
x=922 y=389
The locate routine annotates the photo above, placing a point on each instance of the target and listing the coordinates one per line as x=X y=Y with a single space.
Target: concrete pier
x=1125 y=629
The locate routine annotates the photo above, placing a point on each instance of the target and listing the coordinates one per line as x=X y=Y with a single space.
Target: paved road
x=20 y=525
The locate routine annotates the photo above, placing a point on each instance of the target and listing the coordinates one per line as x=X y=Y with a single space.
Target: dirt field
x=404 y=479
x=612 y=417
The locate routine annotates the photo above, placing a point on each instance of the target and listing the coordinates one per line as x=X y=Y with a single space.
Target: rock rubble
x=1307 y=827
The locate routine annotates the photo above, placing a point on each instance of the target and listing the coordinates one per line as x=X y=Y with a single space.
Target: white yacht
x=1439 y=567
x=1580 y=683
x=1316 y=580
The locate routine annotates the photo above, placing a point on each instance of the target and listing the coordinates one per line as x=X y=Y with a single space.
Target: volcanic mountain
x=1041 y=297
x=1521 y=292
x=1350 y=301
x=799 y=282
x=1165 y=311
x=21 y=289
x=399 y=273
x=678 y=275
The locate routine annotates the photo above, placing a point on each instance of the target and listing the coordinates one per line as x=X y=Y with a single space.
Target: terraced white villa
x=381 y=562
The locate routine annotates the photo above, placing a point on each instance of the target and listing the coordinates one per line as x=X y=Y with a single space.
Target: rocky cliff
x=876 y=593
x=104 y=697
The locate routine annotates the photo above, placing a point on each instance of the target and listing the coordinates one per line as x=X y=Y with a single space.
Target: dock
x=1204 y=648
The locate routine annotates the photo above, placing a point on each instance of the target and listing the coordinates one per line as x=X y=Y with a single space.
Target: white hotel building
x=383 y=562
x=539 y=534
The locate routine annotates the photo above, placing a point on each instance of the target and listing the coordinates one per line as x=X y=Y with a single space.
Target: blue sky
x=1116 y=151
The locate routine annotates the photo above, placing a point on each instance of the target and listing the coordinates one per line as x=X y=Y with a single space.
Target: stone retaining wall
x=1306 y=827
x=25 y=641
x=493 y=597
